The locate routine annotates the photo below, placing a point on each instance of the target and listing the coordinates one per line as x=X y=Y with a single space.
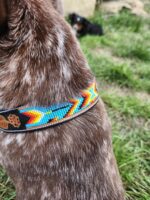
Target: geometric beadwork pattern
x=34 y=118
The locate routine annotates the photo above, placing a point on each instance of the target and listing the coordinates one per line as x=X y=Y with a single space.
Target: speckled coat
x=41 y=63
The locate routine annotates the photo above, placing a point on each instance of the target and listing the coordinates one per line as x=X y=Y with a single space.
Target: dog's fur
x=58 y=5
x=83 y=27
x=41 y=63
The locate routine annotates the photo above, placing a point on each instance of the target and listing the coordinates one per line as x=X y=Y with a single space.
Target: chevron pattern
x=40 y=115
x=24 y=119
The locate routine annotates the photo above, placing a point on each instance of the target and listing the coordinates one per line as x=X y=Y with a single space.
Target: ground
x=121 y=62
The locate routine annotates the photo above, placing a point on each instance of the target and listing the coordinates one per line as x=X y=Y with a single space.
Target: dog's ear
x=72 y=17
x=58 y=5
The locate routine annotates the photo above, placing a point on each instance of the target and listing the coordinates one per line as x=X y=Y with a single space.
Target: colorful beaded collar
x=25 y=119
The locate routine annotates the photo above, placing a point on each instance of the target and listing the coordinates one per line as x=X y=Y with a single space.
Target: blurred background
x=120 y=59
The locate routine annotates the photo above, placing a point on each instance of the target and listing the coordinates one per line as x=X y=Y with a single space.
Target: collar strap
x=24 y=119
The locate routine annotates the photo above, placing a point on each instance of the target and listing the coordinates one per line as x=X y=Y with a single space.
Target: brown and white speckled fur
x=41 y=63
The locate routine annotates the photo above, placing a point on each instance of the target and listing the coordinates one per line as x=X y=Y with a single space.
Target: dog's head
x=76 y=19
x=78 y=23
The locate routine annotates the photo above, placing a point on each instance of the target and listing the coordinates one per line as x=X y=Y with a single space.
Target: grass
x=6 y=189
x=127 y=105
x=121 y=62
x=132 y=151
x=125 y=74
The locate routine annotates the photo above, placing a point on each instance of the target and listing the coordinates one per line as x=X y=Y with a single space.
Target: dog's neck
x=41 y=62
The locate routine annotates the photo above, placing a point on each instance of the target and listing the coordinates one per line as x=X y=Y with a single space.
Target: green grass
x=134 y=75
x=131 y=141
x=126 y=61
x=121 y=62
x=132 y=152
x=127 y=105
x=6 y=189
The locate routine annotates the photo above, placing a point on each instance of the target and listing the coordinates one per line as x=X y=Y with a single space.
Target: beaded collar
x=24 y=119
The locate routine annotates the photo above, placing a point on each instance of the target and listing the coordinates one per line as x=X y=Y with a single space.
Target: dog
x=41 y=64
x=84 y=27
x=58 y=5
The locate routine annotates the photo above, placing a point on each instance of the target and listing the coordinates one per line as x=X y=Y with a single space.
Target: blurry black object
x=83 y=27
